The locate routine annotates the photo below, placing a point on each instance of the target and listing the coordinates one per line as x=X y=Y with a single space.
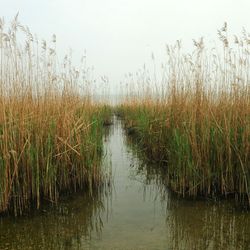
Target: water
x=136 y=213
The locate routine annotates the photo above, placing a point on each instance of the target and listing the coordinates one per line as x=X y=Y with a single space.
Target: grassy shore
x=197 y=121
x=50 y=129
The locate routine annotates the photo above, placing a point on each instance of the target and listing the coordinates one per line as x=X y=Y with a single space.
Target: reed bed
x=196 y=119
x=50 y=130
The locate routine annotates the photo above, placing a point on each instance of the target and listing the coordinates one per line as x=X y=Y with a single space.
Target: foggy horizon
x=120 y=36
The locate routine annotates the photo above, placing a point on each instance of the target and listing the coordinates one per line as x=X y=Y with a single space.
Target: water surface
x=137 y=212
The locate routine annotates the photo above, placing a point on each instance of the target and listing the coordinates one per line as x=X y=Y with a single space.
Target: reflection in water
x=69 y=226
x=201 y=226
x=139 y=213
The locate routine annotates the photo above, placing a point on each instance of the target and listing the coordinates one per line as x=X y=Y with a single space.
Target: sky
x=119 y=36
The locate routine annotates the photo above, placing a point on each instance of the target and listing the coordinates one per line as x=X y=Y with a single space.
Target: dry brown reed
x=197 y=121
x=50 y=130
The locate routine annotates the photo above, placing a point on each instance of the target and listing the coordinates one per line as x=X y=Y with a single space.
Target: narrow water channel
x=137 y=212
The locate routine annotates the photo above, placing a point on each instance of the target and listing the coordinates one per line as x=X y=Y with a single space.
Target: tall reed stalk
x=50 y=130
x=196 y=121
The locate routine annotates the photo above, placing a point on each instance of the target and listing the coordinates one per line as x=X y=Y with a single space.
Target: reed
x=50 y=130
x=196 y=122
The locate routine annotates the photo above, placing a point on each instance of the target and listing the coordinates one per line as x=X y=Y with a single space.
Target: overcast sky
x=120 y=35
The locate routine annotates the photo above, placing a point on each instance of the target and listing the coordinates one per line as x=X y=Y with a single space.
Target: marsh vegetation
x=196 y=120
x=137 y=212
x=50 y=129
x=193 y=125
